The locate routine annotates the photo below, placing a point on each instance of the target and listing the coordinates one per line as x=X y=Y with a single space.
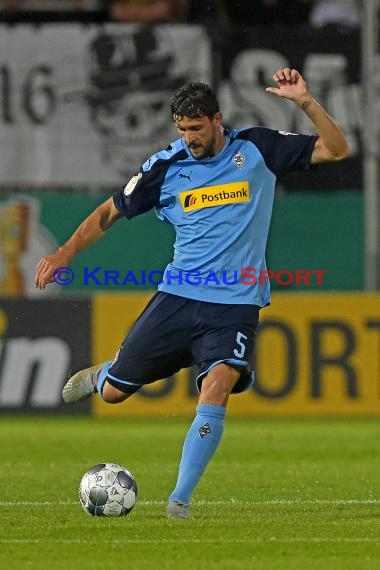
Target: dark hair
x=194 y=100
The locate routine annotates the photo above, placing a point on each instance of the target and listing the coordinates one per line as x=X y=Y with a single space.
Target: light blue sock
x=102 y=377
x=200 y=445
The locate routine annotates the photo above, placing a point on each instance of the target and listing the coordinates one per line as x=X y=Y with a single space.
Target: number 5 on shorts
x=240 y=338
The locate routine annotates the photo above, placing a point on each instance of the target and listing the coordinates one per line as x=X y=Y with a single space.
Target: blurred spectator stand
x=146 y=10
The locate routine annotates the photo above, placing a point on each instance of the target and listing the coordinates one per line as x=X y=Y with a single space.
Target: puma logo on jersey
x=188 y=176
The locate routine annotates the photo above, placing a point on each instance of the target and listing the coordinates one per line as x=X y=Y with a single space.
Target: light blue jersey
x=221 y=209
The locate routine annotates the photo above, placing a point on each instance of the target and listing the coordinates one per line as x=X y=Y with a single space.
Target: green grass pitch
x=280 y=494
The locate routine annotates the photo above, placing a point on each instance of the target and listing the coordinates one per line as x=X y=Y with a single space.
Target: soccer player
x=216 y=187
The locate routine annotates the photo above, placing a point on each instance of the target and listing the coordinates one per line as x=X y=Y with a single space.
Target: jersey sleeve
x=142 y=193
x=282 y=152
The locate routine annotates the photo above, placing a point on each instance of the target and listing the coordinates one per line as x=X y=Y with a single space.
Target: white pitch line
x=294 y=502
x=200 y=503
x=252 y=540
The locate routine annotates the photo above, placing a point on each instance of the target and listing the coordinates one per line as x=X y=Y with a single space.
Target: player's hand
x=290 y=85
x=47 y=266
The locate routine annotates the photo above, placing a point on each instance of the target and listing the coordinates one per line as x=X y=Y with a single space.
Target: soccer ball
x=107 y=490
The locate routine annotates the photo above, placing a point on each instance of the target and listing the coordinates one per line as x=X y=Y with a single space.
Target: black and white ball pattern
x=108 y=490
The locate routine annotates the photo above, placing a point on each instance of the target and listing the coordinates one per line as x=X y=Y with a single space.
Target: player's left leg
x=203 y=437
x=224 y=352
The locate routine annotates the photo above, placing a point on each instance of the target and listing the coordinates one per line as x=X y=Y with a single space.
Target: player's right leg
x=90 y=381
x=81 y=385
x=155 y=348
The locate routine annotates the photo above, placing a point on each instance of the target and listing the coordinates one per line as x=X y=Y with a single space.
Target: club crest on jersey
x=239 y=159
x=211 y=196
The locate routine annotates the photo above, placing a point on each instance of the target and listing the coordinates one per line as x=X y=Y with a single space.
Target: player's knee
x=112 y=395
x=217 y=385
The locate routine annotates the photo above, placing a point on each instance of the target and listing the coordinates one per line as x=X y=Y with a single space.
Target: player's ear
x=218 y=117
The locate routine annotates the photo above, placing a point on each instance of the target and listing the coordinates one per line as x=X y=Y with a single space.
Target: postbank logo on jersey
x=211 y=196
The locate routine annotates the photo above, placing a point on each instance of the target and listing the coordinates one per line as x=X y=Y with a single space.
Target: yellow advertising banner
x=316 y=355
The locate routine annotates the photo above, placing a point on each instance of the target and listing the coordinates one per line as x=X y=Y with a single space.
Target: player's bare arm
x=331 y=145
x=89 y=231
